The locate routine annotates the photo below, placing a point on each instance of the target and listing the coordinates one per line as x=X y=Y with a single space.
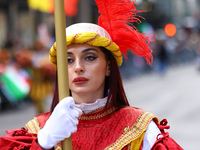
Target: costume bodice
x=110 y=128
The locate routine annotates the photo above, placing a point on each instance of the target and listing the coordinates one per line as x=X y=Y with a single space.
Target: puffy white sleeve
x=150 y=136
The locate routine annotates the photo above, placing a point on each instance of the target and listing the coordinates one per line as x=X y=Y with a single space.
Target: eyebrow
x=85 y=50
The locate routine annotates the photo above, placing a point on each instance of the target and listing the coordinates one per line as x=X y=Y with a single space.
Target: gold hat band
x=92 y=39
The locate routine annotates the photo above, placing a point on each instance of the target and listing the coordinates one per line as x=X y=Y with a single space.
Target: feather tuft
x=116 y=17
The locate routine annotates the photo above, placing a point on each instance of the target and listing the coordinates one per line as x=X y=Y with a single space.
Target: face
x=87 y=68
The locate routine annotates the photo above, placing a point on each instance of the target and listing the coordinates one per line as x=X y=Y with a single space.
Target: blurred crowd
x=182 y=48
x=26 y=75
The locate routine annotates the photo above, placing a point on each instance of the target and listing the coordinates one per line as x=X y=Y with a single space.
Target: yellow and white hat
x=91 y=34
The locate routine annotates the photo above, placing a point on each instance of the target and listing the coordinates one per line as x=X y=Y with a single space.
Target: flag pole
x=62 y=64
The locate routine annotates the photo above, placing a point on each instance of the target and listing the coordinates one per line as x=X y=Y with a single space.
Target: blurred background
x=169 y=88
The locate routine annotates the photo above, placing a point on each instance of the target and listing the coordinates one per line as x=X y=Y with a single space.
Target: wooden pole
x=62 y=64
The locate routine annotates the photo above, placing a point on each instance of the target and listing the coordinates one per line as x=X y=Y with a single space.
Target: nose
x=79 y=66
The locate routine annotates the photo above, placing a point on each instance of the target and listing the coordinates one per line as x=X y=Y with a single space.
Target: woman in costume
x=97 y=114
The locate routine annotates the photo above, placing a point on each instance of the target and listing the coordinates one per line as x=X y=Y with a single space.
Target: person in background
x=162 y=57
x=42 y=79
x=5 y=58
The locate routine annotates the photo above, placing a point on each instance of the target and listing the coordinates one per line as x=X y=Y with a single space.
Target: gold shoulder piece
x=136 y=132
x=33 y=126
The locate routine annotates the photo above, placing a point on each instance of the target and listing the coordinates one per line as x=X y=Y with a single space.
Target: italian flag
x=15 y=84
x=48 y=6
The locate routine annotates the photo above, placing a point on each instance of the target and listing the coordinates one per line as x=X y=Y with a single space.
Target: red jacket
x=100 y=129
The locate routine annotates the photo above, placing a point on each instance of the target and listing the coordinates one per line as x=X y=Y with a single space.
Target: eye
x=70 y=60
x=90 y=57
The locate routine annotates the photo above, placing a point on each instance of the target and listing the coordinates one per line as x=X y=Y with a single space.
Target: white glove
x=62 y=122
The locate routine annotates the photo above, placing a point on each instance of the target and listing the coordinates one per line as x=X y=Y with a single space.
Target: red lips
x=80 y=80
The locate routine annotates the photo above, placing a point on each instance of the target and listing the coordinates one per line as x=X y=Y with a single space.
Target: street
x=174 y=96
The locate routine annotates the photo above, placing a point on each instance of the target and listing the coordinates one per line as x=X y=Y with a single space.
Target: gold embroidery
x=97 y=116
x=126 y=129
x=33 y=126
x=129 y=146
x=134 y=132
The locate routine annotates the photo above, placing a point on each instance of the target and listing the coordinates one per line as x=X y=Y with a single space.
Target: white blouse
x=151 y=132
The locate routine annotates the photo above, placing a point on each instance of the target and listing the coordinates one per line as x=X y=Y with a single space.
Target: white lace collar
x=88 y=107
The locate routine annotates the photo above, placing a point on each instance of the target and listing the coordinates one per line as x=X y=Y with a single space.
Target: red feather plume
x=116 y=17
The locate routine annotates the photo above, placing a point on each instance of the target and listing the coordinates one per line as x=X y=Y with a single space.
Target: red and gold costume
x=100 y=129
x=110 y=129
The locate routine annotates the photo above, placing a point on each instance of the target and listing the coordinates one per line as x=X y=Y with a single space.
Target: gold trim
x=129 y=146
x=33 y=126
x=92 y=115
x=134 y=132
